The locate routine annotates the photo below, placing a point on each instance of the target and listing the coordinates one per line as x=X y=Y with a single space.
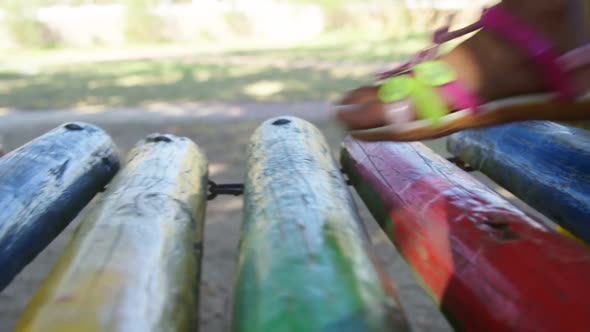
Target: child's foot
x=487 y=65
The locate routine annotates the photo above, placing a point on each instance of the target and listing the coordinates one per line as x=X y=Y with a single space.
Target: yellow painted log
x=568 y=234
x=133 y=263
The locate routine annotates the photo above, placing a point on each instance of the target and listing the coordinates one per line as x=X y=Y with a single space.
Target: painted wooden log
x=579 y=124
x=545 y=164
x=305 y=262
x=133 y=263
x=489 y=266
x=44 y=185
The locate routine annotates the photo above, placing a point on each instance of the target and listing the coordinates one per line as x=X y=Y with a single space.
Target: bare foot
x=488 y=65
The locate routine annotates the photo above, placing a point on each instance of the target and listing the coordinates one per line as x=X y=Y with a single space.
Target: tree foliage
x=21 y=24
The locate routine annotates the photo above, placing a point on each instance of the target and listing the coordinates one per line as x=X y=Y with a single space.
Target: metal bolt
x=159 y=138
x=281 y=122
x=73 y=126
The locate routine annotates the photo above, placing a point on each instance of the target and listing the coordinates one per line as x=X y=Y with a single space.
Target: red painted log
x=489 y=265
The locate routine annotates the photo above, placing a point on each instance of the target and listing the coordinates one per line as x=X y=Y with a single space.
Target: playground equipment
x=490 y=266
x=305 y=262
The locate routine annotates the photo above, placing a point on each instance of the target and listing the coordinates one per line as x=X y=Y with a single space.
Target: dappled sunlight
x=91 y=109
x=358 y=50
x=217 y=168
x=235 y=72
x=14 y=84
x=346 y=72
x=312 y=73
x=226 y=204
x=6 y=110
x=97 y=84
x=195 y=109
x=264 y=88
x=141 y=80
x=395 y=48
x=202 y=75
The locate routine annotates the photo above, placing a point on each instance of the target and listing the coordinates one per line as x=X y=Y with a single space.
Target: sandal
x=423 y=86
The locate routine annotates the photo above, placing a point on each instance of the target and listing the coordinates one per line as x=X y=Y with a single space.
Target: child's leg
x=491 y=67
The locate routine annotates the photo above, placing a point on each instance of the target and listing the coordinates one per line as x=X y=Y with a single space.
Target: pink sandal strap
x=575 y=59
x=554 y=69
x=440 y=36
x=444 y=34
x=538 y=48
x=461 y=98
x=425 y=55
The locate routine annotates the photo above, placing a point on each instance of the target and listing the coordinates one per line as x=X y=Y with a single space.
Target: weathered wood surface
x=579 y=124
x=133 y=263
x=305 y=262
x=488 y=265
x=44 y=185
x=545 y=164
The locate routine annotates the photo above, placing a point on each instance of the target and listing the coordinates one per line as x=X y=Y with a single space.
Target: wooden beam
x=44 y=185
x=545 y=164
x=133 y=264
x=488 y=265
x=305 y=260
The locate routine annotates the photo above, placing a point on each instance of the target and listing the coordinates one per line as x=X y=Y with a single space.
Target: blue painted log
x=43 y=186
x=133 y=263
x=546 y=164
x=306 y=263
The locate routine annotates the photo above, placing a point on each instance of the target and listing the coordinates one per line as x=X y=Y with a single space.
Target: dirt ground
x=224 y=139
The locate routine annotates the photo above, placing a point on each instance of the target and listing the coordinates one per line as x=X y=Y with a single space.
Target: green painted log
x=133 y=263
x=44 y=185
x=305 y=259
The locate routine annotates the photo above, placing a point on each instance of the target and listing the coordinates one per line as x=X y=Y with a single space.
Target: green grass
x=351 y=48
x=136 y=83
x=63 y=79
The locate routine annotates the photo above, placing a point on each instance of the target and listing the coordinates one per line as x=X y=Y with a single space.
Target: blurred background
x=210 y=70
x=57 y=54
